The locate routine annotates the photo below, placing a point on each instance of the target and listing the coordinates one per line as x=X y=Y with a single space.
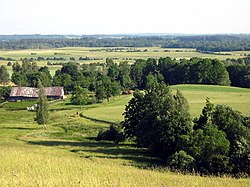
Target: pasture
x=237 y=98
x=119 y=54
x=65 y=153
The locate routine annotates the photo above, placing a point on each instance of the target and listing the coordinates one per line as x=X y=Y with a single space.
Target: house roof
x=33 y=92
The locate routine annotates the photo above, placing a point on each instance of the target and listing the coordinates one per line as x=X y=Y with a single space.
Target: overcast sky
x=124 y=16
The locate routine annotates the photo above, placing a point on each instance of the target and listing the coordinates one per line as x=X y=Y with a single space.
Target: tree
x=124 y=78
x=219 y=74
x=80 y=96
x=19 y=79
x=42 y=112
x=156 y=121
x=4 y=75
x=113 y=72
x=4 y=93
x=16 y=67
x=236 y=131
x=100 y=91
x=109 y=62
x=210 y=148
x=136 y=72
x=239 y=75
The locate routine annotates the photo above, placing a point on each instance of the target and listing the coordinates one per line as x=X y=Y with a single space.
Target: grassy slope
x=238 y=98
x=65 y=155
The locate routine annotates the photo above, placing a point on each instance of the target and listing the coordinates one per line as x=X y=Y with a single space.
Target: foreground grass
x=66 y=153
x=39 y=166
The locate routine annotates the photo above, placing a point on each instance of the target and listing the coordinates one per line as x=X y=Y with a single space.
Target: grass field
x=237 y=98
x=65 y=153
x=76 y=52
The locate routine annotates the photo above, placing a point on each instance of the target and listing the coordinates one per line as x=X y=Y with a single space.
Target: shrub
x=114 y=133
x=181 y=161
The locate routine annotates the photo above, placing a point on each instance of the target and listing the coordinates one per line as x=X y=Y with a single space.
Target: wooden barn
x=29 y=93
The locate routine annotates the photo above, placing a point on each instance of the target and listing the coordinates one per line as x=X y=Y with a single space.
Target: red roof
x=33 y=92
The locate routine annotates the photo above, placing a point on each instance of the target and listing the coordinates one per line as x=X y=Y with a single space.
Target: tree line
x=202 y=43
x=109 y=78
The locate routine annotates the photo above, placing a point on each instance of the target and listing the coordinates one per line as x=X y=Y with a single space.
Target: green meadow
x=65 y=153
x=237 y=98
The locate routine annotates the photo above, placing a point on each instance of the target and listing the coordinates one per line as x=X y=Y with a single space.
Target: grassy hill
x=65 y=153
x=237 y=98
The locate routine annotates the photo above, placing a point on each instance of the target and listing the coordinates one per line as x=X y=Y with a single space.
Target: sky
x=124 y=16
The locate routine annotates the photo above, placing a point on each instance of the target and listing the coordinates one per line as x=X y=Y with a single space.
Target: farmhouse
x=29 y=93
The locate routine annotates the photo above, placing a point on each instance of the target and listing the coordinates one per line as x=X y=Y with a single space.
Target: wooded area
x=202 y=43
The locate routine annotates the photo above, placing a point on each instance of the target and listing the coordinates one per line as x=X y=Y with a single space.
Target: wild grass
x=66 y=153
x=42 y=166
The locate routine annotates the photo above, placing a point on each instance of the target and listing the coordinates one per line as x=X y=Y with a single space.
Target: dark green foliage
x=71 y=69
x=105 y=88
x=42 y=112
x=100 y=91
x=114 y=133
x=237 y=131
x=19 y=79
x=80 y=96
x=137 y=72
x=181 y=161
x=4 y=93
x=239 y=75
x=203 y=43
x=124 y=76
x=156 y=121
x=64 y=80
x=218 y=143
x=113 y=72
x=196 y=71
x=210 y=148
x=4 y=75
x=28 y=74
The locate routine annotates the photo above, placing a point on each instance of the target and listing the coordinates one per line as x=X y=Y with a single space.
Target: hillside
x=237 y=98
x=65 y=153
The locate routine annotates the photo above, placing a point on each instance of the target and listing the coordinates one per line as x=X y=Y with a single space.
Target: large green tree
x=236 y=130
x=80 y=96
x=157 y=120
x=42 y=112
x=4 y=75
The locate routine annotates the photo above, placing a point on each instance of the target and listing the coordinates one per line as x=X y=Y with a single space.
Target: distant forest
x=202 y=43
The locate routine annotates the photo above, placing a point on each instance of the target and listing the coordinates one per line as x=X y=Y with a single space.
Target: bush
x=114 y=133
x=181 y=161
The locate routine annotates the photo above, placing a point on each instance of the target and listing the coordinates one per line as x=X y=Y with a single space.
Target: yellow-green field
x=76 y=52
x=65 y=153
x=237 y=98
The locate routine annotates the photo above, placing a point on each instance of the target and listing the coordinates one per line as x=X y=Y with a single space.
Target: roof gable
x=33 y=92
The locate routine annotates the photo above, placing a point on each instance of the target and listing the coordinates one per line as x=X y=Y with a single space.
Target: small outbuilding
x=29 y=93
